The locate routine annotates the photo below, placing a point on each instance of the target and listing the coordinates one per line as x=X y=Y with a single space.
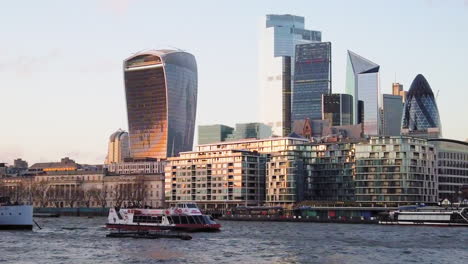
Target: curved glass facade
x=362 y=82
x=420 y=111
x=161 y=93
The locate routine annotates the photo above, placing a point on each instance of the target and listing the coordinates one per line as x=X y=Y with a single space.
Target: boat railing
x=464 y=212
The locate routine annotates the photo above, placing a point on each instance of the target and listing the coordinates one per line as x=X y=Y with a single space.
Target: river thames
x=82 y=240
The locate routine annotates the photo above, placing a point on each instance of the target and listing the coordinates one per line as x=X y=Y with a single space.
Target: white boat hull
x=16 y=217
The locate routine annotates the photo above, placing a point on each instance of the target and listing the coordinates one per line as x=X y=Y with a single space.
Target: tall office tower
x=392 y=107
x=213 y=133
x=312 y=80
x=360 y=110
x=338 y=109
x=420 y=114
x=161 y=92
x=118 y=148
x=250 y=130
x=397 y=89
x=362 y=82
x=279 y=37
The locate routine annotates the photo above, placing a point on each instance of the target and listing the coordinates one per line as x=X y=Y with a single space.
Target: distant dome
x=420 y=110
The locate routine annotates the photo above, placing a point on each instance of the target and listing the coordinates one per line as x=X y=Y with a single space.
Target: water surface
x=82 y=240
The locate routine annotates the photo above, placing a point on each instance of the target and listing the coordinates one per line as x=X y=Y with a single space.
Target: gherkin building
x=420 y=114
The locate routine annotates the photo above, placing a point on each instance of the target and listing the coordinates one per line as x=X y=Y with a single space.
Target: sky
x=61 y=79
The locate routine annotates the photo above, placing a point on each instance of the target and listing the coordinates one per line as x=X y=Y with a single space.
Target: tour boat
x=15 y=216
x=183 y=217
x=430 y=215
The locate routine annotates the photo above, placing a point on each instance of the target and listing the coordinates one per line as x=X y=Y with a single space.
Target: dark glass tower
x=420 y=113
x=312 y=79
x=338 y=109
x=161 y=93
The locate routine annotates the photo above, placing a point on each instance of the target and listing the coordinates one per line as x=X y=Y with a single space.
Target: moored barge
x=429 y=215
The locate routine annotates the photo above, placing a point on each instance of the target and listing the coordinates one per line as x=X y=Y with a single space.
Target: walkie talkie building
x=161 y=93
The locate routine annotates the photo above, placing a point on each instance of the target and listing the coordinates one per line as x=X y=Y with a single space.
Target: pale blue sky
x=61 y=85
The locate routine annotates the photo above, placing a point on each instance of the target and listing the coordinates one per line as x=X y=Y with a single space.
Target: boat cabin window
x=176 y=219
x=170 y=219
x=184 y=219
x=191 y=206
x=147 y=219
x=191 y=220
x=198 y=219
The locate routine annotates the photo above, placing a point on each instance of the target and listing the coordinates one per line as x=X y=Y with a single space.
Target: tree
x=56 y=195
x=75 y=195
x=137 y=194
x=39 y=192
x=119 y=194
x=99 y=195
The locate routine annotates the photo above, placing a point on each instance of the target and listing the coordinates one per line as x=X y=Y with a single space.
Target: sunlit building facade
x=420 y=114
x=216 y=179
x=161 y=93
x=362 y=82
x=396 y=171
x=118 y=148
x=312 y=80
x=279 y=36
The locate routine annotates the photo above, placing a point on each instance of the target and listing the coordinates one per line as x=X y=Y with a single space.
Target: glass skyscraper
x=338 y=109
x=213 y=133
x=362 y=82
x=392 y=107
x=420 y=114
x=312 y=80
x=279 y=37
x=161 y=95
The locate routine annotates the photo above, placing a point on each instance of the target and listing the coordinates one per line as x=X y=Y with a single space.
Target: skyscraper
x=312 y=80
x=338 y=109
x=397 y=89
x=118 y=148
x=420 y=114
x=279 y=37
x=392 y=111
x=250 y=130
x=161 y=93
x=362 y=82
x=213 y=133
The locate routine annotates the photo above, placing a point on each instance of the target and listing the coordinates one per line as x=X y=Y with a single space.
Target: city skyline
x=58 y=100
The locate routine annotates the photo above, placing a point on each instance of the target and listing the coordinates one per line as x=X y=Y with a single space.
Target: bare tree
x=120 y=194
x=88 y=197
x=137 y=194
x=56 y=195
x=99 y=195
x=39 y=192
x=75 y=195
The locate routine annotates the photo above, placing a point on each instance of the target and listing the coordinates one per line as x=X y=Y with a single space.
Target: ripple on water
x=82 y=240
